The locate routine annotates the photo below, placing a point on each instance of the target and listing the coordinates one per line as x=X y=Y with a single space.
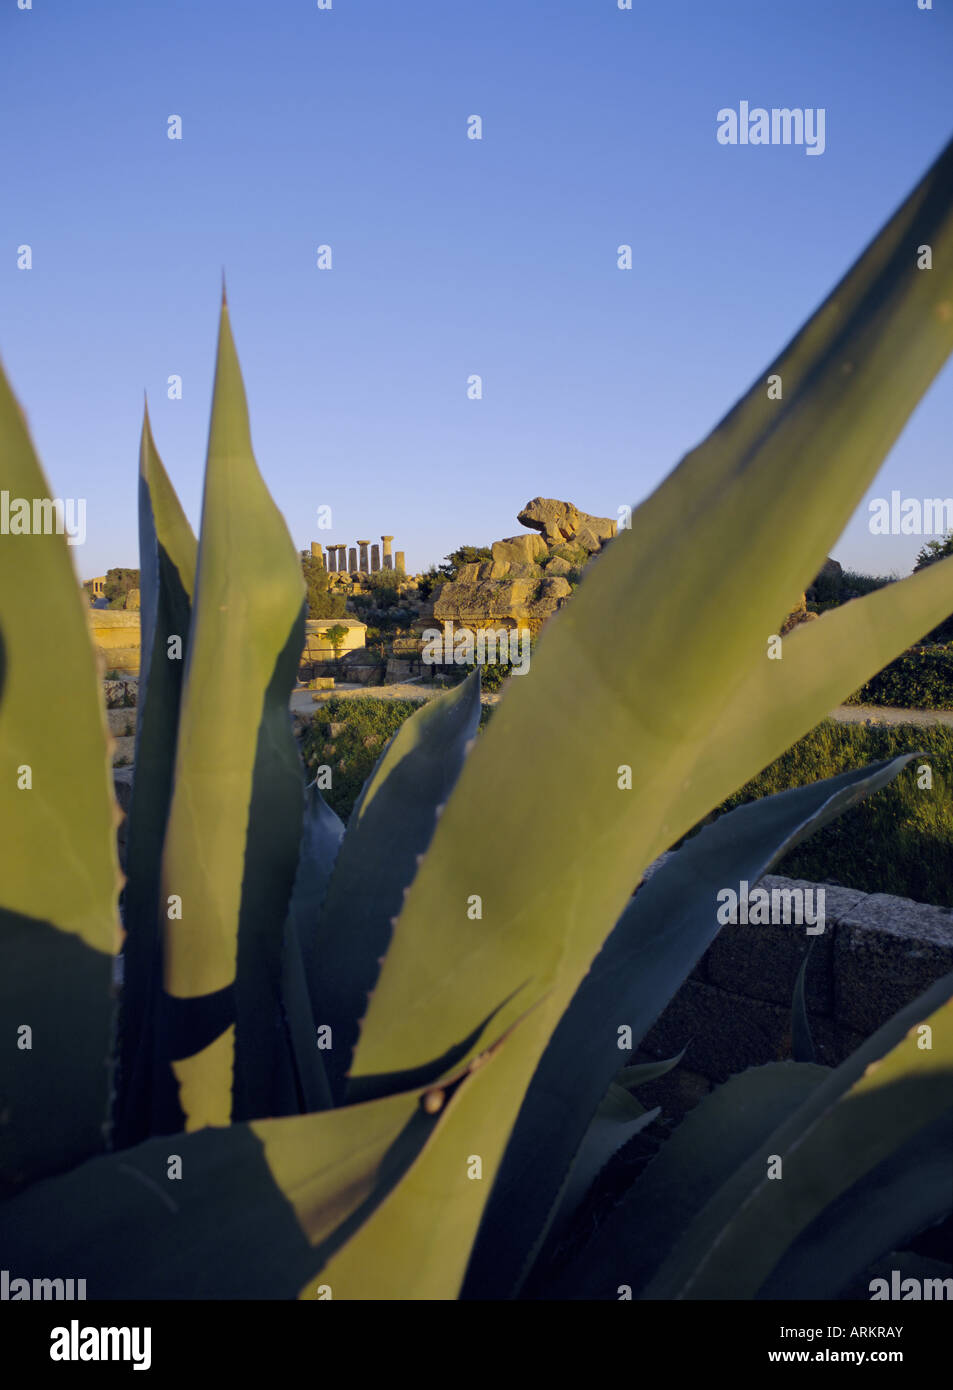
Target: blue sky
x=450 y=256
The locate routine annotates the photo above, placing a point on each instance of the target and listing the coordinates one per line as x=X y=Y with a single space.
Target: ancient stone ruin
x=530 y=575
x=362 y=559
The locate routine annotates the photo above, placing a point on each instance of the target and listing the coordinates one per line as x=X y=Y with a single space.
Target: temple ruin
x=364 y=557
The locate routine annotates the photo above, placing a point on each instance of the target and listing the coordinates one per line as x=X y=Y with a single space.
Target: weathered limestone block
x=493 y=569
x=519 y=550
x=763 y=961
x=554 y=588
x=558 y=566
x=561 y=521
x=133 y=601
x=375 y=559
x=730 y=1032
x=116 y=637
x=121 y=723
x=888 y=950
x=475 y=603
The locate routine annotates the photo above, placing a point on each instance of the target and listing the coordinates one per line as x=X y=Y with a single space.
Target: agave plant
x=385 y=1062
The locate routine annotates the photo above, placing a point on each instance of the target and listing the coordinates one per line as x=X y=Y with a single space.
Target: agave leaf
x=243 y=1211
x=717 y=555
x=908 y=1192
x=821 y=660
x=416 y=1243
x=643 y=1072
x=802 y=1044
x=708 y=1146
x=620 y=1117
x=59 y=877
x=663 y=933
x=234 y=825
x=761 y=492
x=888 y=1091
x=390 y=827
x=167 y=557
x=321 y=835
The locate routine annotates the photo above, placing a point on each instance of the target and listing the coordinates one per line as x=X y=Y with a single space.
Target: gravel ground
x=303 y=702
x=886 y=714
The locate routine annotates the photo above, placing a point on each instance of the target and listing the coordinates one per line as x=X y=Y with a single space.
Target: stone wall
x=876 y=954
x=115 y=634
x=116 y=637
x=318 y=647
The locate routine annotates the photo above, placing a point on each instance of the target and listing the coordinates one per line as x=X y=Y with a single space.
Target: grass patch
x=900 y=840
x=348 y=735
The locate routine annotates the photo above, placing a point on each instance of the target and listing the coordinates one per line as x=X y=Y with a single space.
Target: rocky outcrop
x=519 y=550
x=561 y=521
x=513 y=589
x=799 y=614
x=831 y=569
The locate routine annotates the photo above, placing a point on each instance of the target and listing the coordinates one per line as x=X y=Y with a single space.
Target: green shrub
x=921 y=678
x=573 y=554
x=933 y=550
x=349 y=736
x=321 y=602
x=900 y=840
x=117 y=585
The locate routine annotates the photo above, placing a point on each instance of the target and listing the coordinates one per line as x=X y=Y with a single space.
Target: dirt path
x=887 y=714
x=303 y=701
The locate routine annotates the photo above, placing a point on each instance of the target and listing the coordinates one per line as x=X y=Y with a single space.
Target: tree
x=321 y=602
x=447 y=572
x=463 y=555
x=336 y=636
x=117 y=584
x=933 y=551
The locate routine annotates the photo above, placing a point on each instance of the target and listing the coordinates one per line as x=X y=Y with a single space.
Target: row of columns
x=341 y=559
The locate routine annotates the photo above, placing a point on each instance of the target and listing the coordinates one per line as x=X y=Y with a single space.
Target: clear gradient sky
x=451 y=256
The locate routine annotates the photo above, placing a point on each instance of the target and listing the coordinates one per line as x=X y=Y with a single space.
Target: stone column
x=332 y=560
x=365 y=567
x=375 y=558
x=388 y=558
x=342 y=558
x=317 y=552
x=399 y=562
x=352 y=560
